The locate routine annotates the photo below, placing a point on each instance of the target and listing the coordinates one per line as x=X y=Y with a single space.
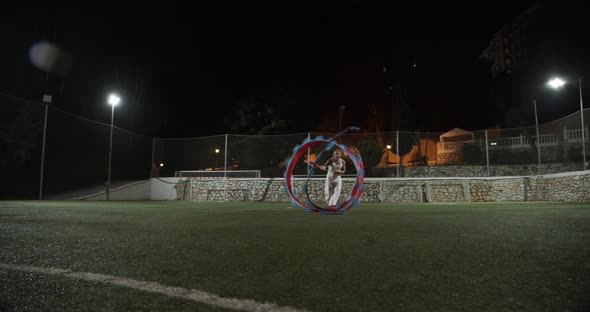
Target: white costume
x=333 y=182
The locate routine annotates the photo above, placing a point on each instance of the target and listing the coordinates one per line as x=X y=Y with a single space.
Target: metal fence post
x=308 y=154
x=153 y=155
x=487 y=154
x=397 y=151
x=583 y=128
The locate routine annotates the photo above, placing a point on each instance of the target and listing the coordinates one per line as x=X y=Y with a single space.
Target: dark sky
x=182 y=69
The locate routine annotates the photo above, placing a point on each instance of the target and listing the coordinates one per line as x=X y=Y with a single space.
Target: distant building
x=423 y=152
x=509 y=46
x=546 y=39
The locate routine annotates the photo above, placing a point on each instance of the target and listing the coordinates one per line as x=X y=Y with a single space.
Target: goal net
x=218 y=173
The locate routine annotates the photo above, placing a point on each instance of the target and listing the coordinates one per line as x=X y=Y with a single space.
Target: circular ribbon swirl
x=353 y=198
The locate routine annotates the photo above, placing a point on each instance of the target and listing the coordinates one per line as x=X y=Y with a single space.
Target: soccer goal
x=218 y=173
x=320 y=176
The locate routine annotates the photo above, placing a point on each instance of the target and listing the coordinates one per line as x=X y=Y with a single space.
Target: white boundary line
x=176 y=292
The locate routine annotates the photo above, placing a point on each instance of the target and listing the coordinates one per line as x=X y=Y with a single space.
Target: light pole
x=557 y=83
x=113 y=101
x=582 y=121
x=216 y=158
x=538 y=141
x=46 y=101
x=388 y=147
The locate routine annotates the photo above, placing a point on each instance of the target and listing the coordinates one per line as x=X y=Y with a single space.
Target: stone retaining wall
x=573 y=186
x=495 y=171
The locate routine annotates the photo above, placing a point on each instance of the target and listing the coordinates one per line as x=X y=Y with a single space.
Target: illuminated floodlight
x=556 y=83
x=114 y=99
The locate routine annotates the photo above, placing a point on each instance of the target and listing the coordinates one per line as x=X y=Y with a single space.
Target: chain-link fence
x=266 y=153
x=21 y=131
x=193 y=154
x=64 y=156
x=76 y=155
x=75 y=158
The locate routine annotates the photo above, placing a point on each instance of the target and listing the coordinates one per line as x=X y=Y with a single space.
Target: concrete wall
x=164 y=188
x=133 y=191
x=573 y=186
x=154 y=189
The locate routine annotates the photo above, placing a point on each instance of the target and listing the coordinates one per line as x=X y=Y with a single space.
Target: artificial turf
x=376 y=257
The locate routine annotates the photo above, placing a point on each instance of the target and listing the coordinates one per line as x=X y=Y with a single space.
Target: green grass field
x=376 y=257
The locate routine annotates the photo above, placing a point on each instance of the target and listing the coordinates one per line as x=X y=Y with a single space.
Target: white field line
x=176 y=292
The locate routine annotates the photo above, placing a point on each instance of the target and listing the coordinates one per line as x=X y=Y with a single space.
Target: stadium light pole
x=538 y=141
x=113 y=100
x=556 y=83
x=216 y=158
x=46 y=101
x=388 y=147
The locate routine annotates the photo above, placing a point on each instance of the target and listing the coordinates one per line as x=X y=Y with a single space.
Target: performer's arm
x=343 y=170
x=324 y=167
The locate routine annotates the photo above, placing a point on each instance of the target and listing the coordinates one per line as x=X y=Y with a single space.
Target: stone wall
x=573 y=186
x=455 y=158
x=498 y=190
x=264 y=189
x=495 y=171
x=560 y=187
x=401 y=191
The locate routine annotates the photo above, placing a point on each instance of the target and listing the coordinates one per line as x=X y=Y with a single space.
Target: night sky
x=187 y=71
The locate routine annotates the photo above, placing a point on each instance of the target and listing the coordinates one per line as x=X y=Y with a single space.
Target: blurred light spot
x=50 y=58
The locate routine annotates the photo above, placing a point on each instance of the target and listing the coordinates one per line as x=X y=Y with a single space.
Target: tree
x=20 y=142
x=370 y=152
x=419 y=158
x=471 y=154
x=22 y=136
x=405 y=141
x=269 y=111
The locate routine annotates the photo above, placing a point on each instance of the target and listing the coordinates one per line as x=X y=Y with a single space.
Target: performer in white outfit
x=336 y=167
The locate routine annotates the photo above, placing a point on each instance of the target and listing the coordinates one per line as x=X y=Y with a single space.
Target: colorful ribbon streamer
x=353 y=198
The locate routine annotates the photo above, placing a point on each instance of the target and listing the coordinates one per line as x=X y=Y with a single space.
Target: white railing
x=553 y=139
x=510 y=142
x=549 y=139
x=575 y=135
x=451 y=146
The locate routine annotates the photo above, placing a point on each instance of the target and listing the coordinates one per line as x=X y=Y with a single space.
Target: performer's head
x=337 y=154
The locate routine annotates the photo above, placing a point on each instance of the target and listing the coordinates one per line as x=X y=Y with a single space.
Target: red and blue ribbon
x=353 y=198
